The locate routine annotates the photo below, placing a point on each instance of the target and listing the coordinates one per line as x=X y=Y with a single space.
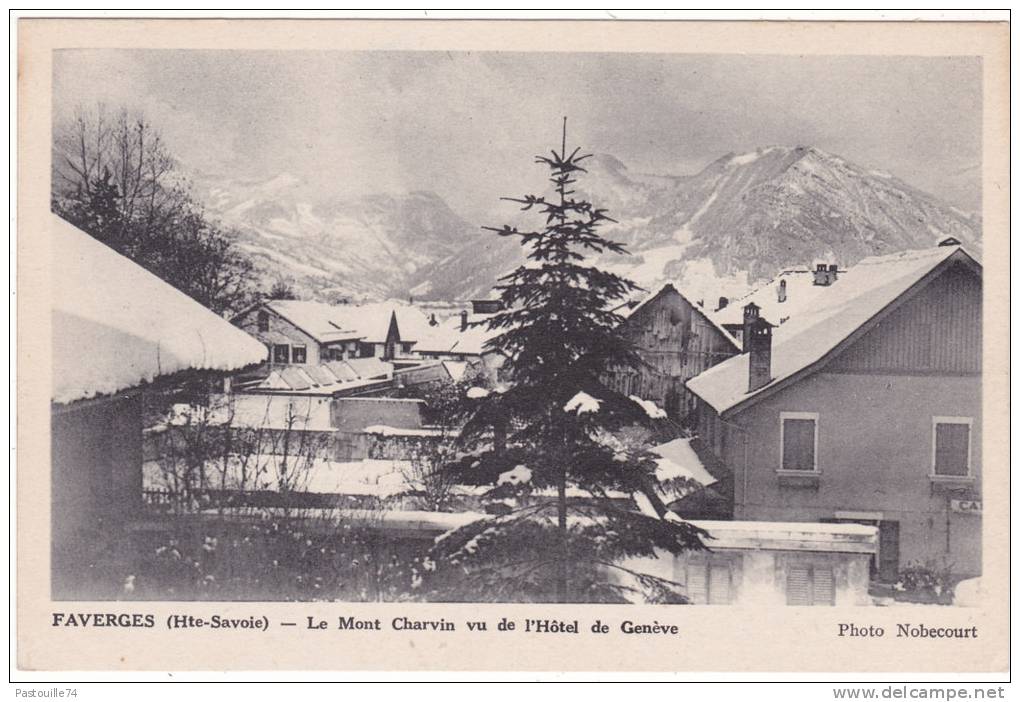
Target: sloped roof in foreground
x=117 y=326
x=836 y=312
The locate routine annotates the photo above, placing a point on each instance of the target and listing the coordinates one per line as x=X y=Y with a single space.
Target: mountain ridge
x=740 y=219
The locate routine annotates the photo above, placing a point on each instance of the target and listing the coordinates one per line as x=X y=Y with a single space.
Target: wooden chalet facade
x=675 y=340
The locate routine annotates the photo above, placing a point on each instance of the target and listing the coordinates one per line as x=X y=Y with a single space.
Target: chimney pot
x=463 y=320
x=825 y=274
x=751 y=312
x=781 y=291
x=723 y=301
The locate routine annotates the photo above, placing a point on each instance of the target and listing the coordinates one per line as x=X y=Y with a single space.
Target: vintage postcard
x=533 y=346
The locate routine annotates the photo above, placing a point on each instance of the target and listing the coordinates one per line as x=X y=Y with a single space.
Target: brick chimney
x=825 y=275
x=781 y=291
x=758 y=345
x=463 y=320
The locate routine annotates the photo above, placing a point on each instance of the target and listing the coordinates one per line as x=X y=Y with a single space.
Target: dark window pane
x=300 y=355
x=798 y=444
x=951 y=447
x=888 y=551
x=281 y=353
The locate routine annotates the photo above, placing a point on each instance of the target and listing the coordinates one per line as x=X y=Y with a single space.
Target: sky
x=467 y=125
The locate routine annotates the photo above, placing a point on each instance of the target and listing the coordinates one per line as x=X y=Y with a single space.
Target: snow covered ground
x=369 y=477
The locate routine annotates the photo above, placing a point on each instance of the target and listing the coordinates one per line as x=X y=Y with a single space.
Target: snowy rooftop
x=455 y=369
x=369 y=322
x=800 y=295
x=790 y=536
x=679 y=460
x=117 y=326
x=627 y=311
x=449 y=337
x=327 y=378
x=824 y=320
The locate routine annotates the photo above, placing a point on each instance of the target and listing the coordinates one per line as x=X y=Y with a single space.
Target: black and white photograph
x=434 y=346
x=516 y=327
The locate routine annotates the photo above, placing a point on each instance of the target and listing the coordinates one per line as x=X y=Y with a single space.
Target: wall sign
x=965 y=506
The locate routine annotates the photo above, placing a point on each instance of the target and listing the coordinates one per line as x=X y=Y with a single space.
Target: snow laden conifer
x=569 y=531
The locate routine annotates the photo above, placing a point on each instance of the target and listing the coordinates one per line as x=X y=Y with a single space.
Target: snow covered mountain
x=357 y=249
x=739 y=221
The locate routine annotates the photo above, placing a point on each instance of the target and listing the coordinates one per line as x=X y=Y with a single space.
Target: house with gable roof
x=304 y=332
x=326 y=349
x=675 y=340
x=861 y=405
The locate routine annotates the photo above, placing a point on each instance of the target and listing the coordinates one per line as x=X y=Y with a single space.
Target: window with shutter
x=824 y=592
x=697 y=583
x=951 y=451
x=798 y=436
x=709 y=583
x=808 y=585
x=798 y=586
x=719 y=584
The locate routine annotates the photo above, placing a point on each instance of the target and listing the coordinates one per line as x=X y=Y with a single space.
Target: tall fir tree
x=571 y=532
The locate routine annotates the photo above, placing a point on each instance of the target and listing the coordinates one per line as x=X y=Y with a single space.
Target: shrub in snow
x=261 y=557
x=930 y=581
